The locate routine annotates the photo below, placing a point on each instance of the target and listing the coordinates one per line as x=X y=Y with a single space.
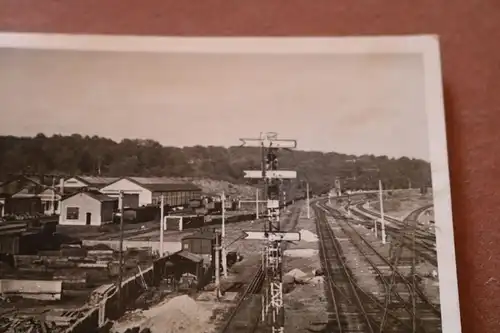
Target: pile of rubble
x=179 y=314
x=45 y=322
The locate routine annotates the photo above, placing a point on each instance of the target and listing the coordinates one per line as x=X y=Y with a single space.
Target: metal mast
x=272 y=298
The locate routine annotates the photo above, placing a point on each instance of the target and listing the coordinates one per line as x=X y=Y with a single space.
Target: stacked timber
x=71 y=279
x=101 y=254
x=73 y=252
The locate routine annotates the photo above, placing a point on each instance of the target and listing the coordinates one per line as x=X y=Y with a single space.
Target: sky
x=349 y=103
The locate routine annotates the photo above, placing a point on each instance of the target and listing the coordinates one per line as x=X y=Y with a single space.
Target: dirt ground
x=305 y=303
x=400 y=204
x=107 y=231
x=306 y=307
x=143 y=231
x=174 y=314
x=429 y=284
x=209 y=311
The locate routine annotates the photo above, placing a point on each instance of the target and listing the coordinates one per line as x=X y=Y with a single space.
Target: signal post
x=272 y=298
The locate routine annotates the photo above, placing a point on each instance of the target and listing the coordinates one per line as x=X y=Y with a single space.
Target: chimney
x=61 y=186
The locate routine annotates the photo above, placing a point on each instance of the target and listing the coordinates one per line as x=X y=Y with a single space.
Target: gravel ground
x=242 y=271
x=429 y=284
x=360 y=267
x=306 y=308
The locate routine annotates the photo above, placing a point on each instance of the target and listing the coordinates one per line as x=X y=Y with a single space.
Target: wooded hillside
x=76 y=154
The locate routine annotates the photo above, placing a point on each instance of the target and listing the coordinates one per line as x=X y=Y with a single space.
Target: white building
x=87 y=208
x=142 y=191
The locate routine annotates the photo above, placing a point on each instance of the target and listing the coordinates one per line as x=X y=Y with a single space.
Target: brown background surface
x=469 y=31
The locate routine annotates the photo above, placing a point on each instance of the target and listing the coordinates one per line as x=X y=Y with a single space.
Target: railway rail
x=244 y=317
x=365 y=313
x=413 y=216
x=424 y=242
x=425 y=307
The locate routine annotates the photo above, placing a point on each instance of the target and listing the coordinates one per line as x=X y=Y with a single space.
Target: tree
x=76 y=155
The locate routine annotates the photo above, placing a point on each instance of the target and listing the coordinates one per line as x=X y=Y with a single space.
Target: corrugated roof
x=163 y=184
x=94 y=180
x=93 y=194
x=101 y=197
x=19 y=178
x=189 y=256
x=152 y=180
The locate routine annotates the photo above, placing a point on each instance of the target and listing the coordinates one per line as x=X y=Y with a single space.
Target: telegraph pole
x=382 y=217
x=272 y=300
x=257 y=203
x=217 y=265
x=120 y=279
x=348 y=205
x=308 y=202
x=53 y=197
x=162 y=223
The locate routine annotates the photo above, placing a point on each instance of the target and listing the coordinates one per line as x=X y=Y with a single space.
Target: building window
x=186 y=246
x=72 y=213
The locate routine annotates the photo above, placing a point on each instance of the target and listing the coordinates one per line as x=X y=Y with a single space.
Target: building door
x=131 y=200
x=88 y=218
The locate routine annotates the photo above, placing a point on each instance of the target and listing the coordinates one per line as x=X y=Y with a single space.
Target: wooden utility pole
x=308 y=202
x=53 y=197
x=217 y=265
x=162 y=223
x=348 y=205
x=223 y=252
x=382 y=217
x=257 y=203
x=120 y=278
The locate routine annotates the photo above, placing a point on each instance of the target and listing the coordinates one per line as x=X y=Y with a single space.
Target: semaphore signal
x=272 y=300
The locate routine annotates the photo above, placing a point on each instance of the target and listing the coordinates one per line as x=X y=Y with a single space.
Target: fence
x=131 y=289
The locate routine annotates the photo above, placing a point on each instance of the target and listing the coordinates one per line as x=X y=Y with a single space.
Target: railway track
x=404 y=291
x=245 y=317
x=349 y=312
x=424 y=242
x=352 y=308
x=240 y=320
x=421 y=232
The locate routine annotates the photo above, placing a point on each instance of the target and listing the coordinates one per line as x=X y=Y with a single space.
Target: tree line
x=93 y=155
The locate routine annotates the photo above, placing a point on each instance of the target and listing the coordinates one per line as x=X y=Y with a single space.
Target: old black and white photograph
x=224 y=185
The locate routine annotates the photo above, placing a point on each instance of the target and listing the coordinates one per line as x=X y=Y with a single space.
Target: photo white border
x=427 y=45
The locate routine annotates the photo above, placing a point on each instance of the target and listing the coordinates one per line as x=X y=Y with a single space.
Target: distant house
x=49 y=198
x=27 y=192
x=87 y=207
x=141 y=191
x=18 y=183
x=74 y=184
